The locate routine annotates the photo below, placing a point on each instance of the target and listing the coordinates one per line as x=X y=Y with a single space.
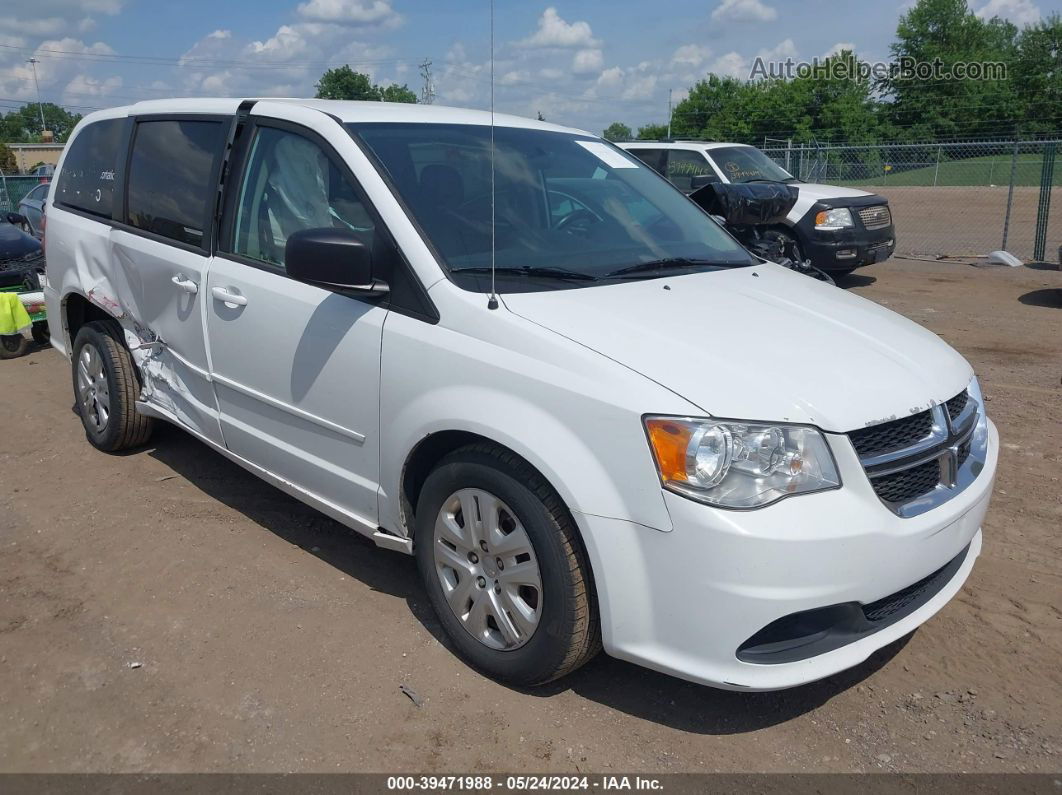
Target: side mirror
x=701 y=180
x=17 y=219
x=331 y=258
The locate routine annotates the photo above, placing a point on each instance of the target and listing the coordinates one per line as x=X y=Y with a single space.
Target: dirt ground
x=269 y=638
x=969 y=220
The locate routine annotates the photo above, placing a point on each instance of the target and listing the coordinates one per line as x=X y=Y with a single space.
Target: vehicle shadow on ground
x=621 y=686
x=854 y=280
x=1049 y=297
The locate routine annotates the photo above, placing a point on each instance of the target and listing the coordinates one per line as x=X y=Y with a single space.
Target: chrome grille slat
x=877 y=217
x=911 y=459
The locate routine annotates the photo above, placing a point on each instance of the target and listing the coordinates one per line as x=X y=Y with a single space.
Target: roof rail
x=671 y=141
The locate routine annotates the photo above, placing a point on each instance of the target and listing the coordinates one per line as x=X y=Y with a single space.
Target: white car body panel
x=327 y=397
x=766 y=341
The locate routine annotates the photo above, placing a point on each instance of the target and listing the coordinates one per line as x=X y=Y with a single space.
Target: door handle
x=186 y=284
x=226 y=297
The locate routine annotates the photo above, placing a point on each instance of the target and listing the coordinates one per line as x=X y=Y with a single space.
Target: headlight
x=839 y=218
x=979 y=442
x=739 y=464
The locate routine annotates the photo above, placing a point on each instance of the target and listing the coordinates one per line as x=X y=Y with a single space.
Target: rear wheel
x=12 y=345
x=106 y=385
x=504 y=568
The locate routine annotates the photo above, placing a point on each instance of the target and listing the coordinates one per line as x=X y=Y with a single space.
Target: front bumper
x=683 y=602
x=849 y=248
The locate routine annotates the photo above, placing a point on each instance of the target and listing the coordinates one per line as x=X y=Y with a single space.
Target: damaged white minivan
x=523 y=356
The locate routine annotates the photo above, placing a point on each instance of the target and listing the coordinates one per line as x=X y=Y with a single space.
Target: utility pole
x=33 y=63
x=427 y=92
x=669 y=114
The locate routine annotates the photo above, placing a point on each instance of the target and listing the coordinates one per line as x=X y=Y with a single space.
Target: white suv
x=626 y=432
x=838 y=229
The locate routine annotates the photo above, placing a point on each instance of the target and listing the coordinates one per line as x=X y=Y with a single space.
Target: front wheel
x=503 y=567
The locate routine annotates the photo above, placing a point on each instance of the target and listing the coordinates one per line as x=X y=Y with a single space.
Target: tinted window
x=91 y=168
x=40 y=193
x=683 y=165
x=560 y=201
x=747 y=164
x=654 y=158
x=291 y=184
x=171 y=177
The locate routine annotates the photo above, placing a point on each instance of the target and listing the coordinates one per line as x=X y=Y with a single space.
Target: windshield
x=748 y=164
x=570 y=210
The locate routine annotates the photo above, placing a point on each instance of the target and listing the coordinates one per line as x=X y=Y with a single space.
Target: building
x=29 y=155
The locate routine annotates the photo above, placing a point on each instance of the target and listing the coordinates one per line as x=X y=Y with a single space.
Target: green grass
x=969 y=172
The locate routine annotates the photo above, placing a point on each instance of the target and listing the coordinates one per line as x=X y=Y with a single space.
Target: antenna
x=492 y=303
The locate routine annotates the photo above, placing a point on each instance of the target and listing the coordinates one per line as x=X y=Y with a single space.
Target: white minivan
x=521 y=355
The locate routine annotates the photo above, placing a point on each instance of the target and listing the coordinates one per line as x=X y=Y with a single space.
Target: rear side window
x=654 y=158
x=90 y=170
x=683 y=165
x=172 y=177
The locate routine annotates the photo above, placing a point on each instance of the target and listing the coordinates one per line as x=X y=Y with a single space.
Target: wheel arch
x=77 y=310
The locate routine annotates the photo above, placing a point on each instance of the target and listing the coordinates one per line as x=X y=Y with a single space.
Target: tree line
x=864 y=107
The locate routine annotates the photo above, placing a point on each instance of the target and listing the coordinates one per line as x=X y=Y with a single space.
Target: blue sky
x=583 y=63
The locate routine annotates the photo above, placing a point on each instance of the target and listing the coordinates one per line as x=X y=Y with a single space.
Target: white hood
x=811 y=192
x=759 y=343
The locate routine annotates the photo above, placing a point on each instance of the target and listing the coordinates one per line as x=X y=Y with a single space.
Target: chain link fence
x=14 y=187
x=961 y=199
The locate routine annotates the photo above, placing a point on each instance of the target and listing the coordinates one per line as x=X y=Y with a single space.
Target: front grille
x=956 y=405
x=876 y=217
x=908 y=484
x=963 y=454
x=893 y=435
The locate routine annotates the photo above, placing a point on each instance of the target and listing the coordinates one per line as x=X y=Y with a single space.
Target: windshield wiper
x=533 y=271
x=664 y=264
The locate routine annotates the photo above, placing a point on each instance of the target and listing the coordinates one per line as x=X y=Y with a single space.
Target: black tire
x=12 y=345
x=568 y=632
x=41 y=334
x=125 y=427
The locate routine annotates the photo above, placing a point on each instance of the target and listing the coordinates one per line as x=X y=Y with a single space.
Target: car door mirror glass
x=331 y=257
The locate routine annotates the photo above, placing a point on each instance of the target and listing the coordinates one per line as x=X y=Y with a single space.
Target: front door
x=296 y=367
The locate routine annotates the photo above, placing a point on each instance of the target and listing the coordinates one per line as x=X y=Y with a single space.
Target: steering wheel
x=577 y=222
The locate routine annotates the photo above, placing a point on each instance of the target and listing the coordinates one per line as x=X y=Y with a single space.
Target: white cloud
x=690 y=55
x=553 y=31
x=784 y=49
x=220 y=34
x=350 y=12
x=744 y=11
x=55 y=17
x=16 y=80
x=730 y=65
x=587 y=62
x=838 y=48
x=86 y=86
x=1020 y=12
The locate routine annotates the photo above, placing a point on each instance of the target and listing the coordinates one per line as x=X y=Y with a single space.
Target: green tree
x=344 y=83
x=24 y=124
x=397 y=93
x=8 y=164
x=1037 y=72
x=617 y=131
x=652 y=132
x=947 y=32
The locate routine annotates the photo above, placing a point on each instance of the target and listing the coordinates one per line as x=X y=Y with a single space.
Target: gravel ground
x=166 y=611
